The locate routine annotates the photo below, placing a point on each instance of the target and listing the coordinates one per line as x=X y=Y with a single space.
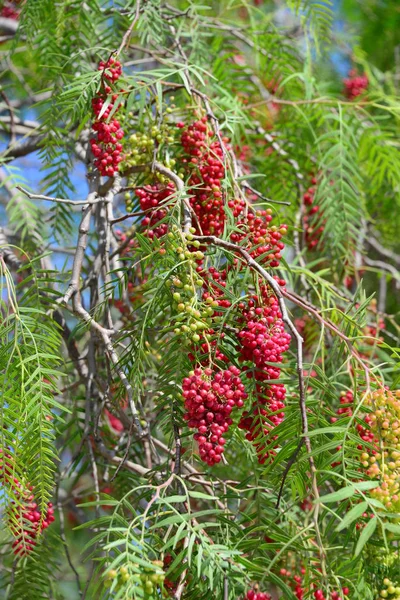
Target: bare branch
x=91 y=199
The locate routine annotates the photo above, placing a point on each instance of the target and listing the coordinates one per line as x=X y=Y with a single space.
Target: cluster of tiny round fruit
x=345 y=409
x=381 y=430
x=295 y=581
x=345 y=405
x=311 y=232
x=205 y=158
x=255 y=594
x=150 y=579
x=139 y=147
x=391 y=590
x=354 y=84
x=263 y=341
x=106 y=146
x=151 y=199
x=9 y=11
x=384 y=462
x=263 y=241
x=203 y=164
x=209 y=399
x=197 y=323
x=26 y=522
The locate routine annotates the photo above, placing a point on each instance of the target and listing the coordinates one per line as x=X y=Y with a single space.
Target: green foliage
x=84 y=368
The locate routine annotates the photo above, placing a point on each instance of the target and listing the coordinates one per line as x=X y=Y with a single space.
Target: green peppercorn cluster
x=193 y=317
x=390 y=590
x=150 y=579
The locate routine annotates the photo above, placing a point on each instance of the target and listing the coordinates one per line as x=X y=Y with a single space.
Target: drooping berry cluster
x=301 y=591
x=150 y=580
x=263 y=341
x=151 y=200
x=384 y=462
x=345 y=409
x=346 y=405
x=354 y=84
x=206 y=161
x=312 y=232
x=390 y=590
x=106 y=146
x=262 y=241
x=254 y=594
x=26 y=522
x=203 y=167
x=10 y=11
x=379 y=447
x=210 y=398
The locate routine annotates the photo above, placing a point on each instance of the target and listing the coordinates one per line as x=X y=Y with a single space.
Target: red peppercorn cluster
x=295 y=581
x=262 y=337
x=209 y=400
x=256 y=595
x=150 y=199
x=346 y=405
x=9 y=11
x=26 y=522
x=263 y=341
x=312 y=233
x=106 y=146
x=346 y=409
x=262 y=241
x=205 y=157
x=355 y=84
x=170 y=585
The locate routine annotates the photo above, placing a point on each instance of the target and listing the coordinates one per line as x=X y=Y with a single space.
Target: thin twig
x=125 y=39
x=261 y=196
x=88 y=201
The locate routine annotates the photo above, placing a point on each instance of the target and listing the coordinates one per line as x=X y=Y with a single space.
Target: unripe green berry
x=148 y=587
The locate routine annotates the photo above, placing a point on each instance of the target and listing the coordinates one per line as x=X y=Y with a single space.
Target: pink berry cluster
x=355 y=84
x=295 y=581
x=262 y=241
x=9 y=11
x=256 y=595
x=262 y=341
x=209 y=399
x=106 y=146
x=312 y=233
x=26 y=522
x=150 y=199
x=26 y=526
x=205 y=159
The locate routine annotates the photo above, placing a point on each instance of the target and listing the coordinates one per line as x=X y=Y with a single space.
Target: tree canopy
x=199 y=252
